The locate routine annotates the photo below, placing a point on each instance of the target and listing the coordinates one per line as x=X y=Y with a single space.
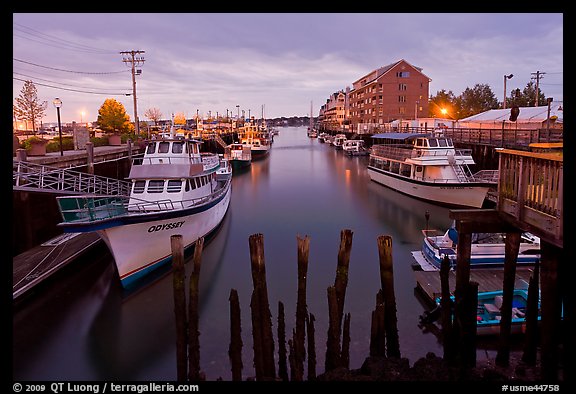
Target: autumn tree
x=180 y=118
x=112 y=117
x=153 y=114
x=28 y=107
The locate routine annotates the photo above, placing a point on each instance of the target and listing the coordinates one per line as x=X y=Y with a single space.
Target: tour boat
x=176 y=189
x=355 y=148
x=487 y=250
x=428 y=167
x=338 y=141
x=239 y=155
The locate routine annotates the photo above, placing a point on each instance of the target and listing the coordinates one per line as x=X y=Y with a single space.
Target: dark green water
x=85 y=327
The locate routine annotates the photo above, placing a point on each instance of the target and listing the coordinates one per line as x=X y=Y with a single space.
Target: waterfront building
x=333 y=112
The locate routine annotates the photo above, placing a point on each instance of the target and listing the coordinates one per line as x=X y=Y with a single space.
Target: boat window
x=151 y=148
x=450 y=143
x=419 y=168
x=433 y=142
x=163 y=147
x=442 y=142
x=419 y=142
x=187 y=187
x=197 y=183
x=139 y=187
x=178 y=147
x=174 y=186
x=155 y=186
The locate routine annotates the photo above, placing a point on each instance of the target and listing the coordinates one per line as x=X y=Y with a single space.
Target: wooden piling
x=301 y=307
x=446 y=306
x=387 y=283
x=511 y=248
x=257 y=336
x=378 y=329
x=235 y=348
x=282 y=361
x=256 y=242
x=332 y=360
x=462 y=277
x=193 y=329
x=341 y=281
x=345 y=352
x=531 y=339
x=311 y=347
x=469 y=326
x=179 y=275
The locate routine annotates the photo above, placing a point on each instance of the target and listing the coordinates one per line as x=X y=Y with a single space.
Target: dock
x=488 y=279
x=36 y=265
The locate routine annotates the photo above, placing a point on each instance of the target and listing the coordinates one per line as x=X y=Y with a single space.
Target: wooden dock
x=41 y=262
x=489 y=279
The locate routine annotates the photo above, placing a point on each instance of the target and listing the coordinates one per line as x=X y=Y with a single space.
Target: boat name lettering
x=166 y=226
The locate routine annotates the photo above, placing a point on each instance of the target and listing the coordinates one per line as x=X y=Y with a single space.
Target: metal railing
x=36 y=177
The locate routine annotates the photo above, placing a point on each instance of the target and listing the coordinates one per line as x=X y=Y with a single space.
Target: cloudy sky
x=279 y=62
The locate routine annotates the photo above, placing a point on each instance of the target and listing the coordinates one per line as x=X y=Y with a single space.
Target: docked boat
x=338 y=141
x=239 y=155
x=259 y=141
x=176 y=189
x=355 y=148
x=322 y=137
x=488 y=314
x=428 y=167
x=487 y=250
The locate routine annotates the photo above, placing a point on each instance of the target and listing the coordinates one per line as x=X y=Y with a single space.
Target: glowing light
x=444 y=111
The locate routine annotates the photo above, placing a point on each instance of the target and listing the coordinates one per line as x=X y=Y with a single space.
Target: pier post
x=531 y=340
x=301 y=307
x=378 y=329
x=345 y=352
x=256 y=242
x=462 y=277
x=446 y=308
x=311 y=347
x=282 y=363
x=469 y=326
x=193 y=331
x=179 y=306
x=341 y=281
x=90 y=157
x=235 y=348
x=511 y=248
x=332 y=360
x=387 y=283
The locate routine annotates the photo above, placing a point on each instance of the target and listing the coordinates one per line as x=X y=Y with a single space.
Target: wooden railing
x=530 y=192
x=507 y=138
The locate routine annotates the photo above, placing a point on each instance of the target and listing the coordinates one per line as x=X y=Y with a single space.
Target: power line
x=56 y=82
x=74 y=90
x=70 y=71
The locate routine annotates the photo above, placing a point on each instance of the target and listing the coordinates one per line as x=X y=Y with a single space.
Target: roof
x=527 y=114
x=399 y=136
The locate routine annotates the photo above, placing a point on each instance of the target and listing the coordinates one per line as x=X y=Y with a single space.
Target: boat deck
x=488 y=279
x=41 y=262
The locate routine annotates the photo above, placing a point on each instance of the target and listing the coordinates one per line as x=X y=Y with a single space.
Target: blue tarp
x=399 y=136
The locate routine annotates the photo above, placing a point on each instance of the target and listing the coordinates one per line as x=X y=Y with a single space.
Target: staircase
x=220 y=141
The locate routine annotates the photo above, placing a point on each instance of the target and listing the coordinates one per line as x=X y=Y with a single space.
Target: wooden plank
x=428 y=282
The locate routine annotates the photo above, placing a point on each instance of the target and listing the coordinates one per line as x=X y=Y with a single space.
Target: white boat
x=239 y=155
x=355 y=148
x=322 y=137
x=428 y=167
x=338 y=141
x=259 y=141
x=487 y=250
x=175 y=190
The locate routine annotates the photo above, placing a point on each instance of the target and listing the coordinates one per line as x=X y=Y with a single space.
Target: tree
x=478 y=99
x=527 y=97
x=443 y=105
x=153 y=114
x=112 y=117
x=28 y=107
x=180 y=118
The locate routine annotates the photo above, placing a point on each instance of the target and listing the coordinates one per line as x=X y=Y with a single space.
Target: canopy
x=399 y=136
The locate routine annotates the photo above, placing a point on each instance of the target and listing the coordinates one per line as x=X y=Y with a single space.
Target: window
x=402 y=86
x=442 y=142
x=177 y=147
x=401 y=99
x=174 y=186
x=155 y=186
x=139 y=187
x=151 y=148
x=163 y=147
x=403 y=74
x=433 y=143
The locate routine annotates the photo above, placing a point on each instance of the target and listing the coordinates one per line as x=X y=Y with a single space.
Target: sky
x=271 y=64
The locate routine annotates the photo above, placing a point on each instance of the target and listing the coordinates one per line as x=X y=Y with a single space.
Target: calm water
x=87 y=327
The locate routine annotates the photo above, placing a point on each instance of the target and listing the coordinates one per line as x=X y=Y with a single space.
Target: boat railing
x=92 y=208
x=166 y=160
x=488 y=176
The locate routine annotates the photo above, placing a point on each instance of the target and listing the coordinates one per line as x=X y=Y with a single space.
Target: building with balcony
x=333 y=112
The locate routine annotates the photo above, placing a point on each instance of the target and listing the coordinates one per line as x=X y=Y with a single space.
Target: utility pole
x=539 y=75
x=131 y=58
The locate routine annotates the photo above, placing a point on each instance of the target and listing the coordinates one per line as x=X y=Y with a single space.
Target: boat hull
x=142 y=247
x=238 y=164
x=258 y=154
x=450 y=194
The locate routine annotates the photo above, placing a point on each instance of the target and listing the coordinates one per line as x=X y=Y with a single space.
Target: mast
x=311 y=118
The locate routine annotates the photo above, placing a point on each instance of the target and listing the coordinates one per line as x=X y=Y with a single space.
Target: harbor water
x=85 y=326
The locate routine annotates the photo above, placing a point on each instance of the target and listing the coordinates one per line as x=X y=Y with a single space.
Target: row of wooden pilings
x=458 y=318
x=294 y=352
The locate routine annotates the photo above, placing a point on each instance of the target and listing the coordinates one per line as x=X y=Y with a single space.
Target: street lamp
x=505 y=78
x=238 y=109
x=58 y=103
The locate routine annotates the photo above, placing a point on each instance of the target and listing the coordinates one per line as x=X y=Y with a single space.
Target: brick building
x=397 y=91
x=332 y=114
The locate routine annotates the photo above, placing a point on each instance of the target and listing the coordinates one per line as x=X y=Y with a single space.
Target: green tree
x=478 y=99
x=443 y=105
x=526 y=97
x=112 y=117
x=28 y=107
